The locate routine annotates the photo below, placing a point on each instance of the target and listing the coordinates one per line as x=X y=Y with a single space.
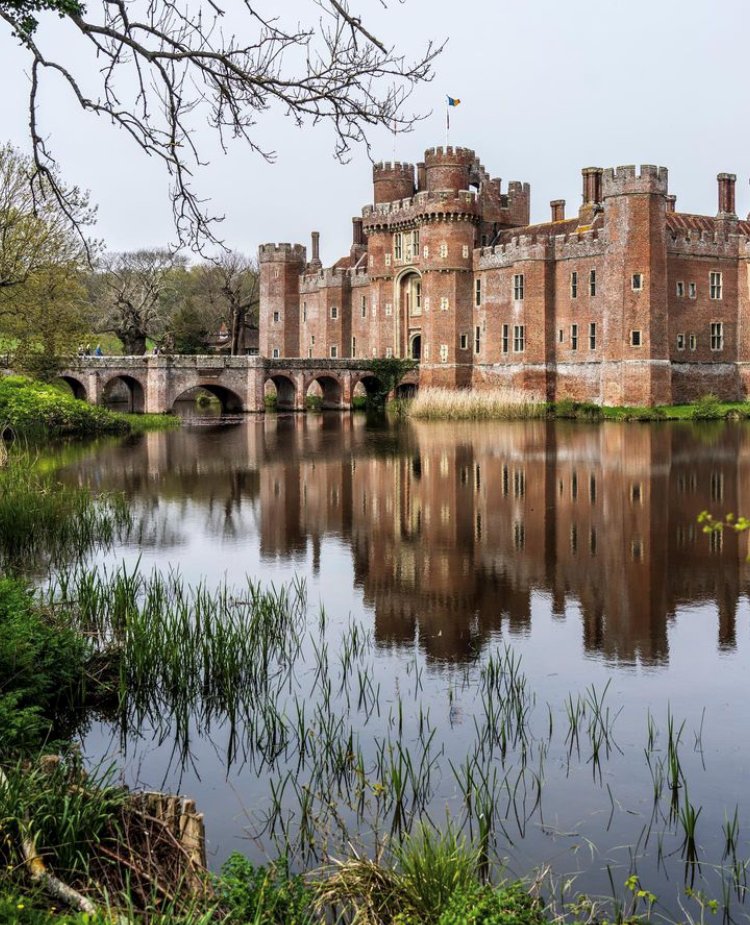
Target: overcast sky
x=547 y=87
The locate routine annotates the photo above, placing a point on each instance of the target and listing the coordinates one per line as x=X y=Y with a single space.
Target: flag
x=452 y=102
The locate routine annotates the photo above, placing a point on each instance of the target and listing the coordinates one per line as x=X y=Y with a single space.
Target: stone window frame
x=574 y=284
x=717 y=336
x=478 y=290
x=304 y=312
x=638 y=282
x=505 y=344
x=444 y=303
x=680 y=341
x=519 y=285
x=477 y=339
x=592 y=335
x=389 y=353
x=354 y=346
x=276 y=317
x=312 y=339
x=519 y=338
x=465 y=251
x=309 y=353
x=574 y=337
x=635 y=338
x=693 y=342
x=561 y=336
x=398 y=245
x=592 y=282
x=275 y=353
x=334 y=312
x=463 y=341
x=363 y=306
x=680 y=289
x=716 y=285
x=692 y=291
x=333 y=351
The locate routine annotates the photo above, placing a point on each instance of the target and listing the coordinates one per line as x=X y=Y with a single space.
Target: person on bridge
x=98 y=351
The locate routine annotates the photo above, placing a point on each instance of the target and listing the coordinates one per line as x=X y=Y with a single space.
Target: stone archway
x=285 y=389
x=331 y=391
x=415 y=346
x=76 y=387
x=408 y=297
x=231 y=402
x=124 y=390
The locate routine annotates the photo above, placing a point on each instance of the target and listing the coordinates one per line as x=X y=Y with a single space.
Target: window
x=477 y=339
x=506 y=331
x=464 y=341
x=518 y=287
x=309 y=353
x=304 y=311
x=275 y=272
x=592 y=336
x=444 y=353
x=411 y=250
x=443 y=250
x=444 y=304
x=635 y=338
x=276 y=317
x=334 y=312
x=312 y=339
x=574 y=337
x=275 y=353
x=680 y=341
x=714 y=285
x=334 y=351
x=574 y=285
x=560 y=335
x=478 y=291
x=363 y=306
x=637 y=282
x=680 y=290
x=389 y=308
x=465 y=250
x=592 y=282
x=398 y=245
x=519 y=341
x=354 y=346
x=692 y=291
x=717 y=335
x=693 y=342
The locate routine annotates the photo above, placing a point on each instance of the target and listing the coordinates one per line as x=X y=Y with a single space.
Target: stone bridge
x=155 y=383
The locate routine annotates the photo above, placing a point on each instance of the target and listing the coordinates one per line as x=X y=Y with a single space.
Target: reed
x=468 y=404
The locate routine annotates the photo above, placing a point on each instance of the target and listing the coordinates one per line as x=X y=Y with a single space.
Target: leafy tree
x=155 y=67
x=230 y=284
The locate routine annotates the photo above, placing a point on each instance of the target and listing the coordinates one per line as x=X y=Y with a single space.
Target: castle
x=628 y=302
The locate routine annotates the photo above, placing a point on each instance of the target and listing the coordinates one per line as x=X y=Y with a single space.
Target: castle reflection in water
x=453 y=529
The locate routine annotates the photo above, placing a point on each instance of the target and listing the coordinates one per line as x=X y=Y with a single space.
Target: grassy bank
x=36 y=410
x=510 y=404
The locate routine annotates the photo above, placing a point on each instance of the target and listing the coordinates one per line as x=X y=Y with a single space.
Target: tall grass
x=468 y=404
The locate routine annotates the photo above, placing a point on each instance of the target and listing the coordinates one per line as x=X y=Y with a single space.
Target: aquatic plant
x=468 y=404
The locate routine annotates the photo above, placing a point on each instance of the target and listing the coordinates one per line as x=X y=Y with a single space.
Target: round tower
x=392 y=181
x=448 y=168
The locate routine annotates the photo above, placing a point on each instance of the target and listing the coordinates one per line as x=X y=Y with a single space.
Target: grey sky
x=547 y=87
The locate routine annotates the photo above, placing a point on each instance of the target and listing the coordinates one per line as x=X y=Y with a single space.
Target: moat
x=569 y=553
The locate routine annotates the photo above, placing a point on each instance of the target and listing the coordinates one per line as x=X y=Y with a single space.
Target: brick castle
x=627 y=302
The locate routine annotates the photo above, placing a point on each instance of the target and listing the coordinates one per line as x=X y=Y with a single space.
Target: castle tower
x=634 y=315
x=280 y=269
x=392 y=181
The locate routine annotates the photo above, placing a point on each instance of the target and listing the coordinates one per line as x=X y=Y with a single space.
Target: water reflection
x=452 y=529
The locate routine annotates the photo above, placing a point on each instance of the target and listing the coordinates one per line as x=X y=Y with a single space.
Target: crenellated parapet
x=585 y=244
x=523 y=247
x=624 y=181
x=331 y=278
x=708 y=244
x=278 y=253
x=423 y=207
x=392 y=180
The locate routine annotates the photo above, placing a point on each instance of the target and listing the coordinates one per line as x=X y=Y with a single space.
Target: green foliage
x=271 y=402
x=263 y=895
x=359 y=403
x=577 y=410
x=33 y=409
x=314 y=402
x=485 y=905
x=23 y=12
x=42 y=671
x=708 y=408
x=389 y=371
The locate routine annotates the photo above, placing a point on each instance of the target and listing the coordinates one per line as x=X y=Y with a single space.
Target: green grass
x=141 y=423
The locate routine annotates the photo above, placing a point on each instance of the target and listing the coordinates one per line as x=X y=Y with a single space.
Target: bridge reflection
x=455 y=531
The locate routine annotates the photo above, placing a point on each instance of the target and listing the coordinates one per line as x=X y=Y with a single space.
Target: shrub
x=645 y=414
x=263 y=895
x=360 y=403
x=566 y=408
x=485 y=905
x=314 y=403
x=707 y=408
x=271 y=402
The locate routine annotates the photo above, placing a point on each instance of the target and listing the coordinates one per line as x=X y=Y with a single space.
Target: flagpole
x=447 y=124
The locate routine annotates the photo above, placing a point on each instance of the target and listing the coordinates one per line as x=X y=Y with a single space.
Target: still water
x=573 y=548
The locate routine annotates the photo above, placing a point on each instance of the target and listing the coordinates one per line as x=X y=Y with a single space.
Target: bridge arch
x=368 y=382
x=285 y=388
x=128 y=386
x=76 y=386
x=331 y=390
x=231 y=402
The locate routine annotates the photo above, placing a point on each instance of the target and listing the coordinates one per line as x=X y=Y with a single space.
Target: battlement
x=451 y=154
x=620 y=181
x=331 y=278
x=708 y=244
x=393 y=168
x=296 y=253
x=392 y=180
x=537 y=247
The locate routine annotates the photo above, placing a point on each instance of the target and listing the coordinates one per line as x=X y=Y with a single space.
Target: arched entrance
x=409 y=310
x=124 y=393
x=415 y=347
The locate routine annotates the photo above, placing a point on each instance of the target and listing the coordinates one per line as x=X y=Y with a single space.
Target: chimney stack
x=316 y=247
x=421 y=176
x=356 y=231
x=671 y=202
x=558 y=210
x=726 y=194
x=592 y=184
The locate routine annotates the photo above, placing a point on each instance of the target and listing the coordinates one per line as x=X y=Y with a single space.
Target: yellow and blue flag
x=453 y=102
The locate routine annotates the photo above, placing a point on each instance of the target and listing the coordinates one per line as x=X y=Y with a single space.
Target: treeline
x=62 y=291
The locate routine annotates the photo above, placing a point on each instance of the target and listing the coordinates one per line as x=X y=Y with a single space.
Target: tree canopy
x=156 y=68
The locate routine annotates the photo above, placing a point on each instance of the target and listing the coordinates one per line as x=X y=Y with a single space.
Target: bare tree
x=159 y=63
x=131 y=291
x=231 y=283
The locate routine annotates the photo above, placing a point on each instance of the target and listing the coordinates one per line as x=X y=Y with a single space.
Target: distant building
x=626 y=302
